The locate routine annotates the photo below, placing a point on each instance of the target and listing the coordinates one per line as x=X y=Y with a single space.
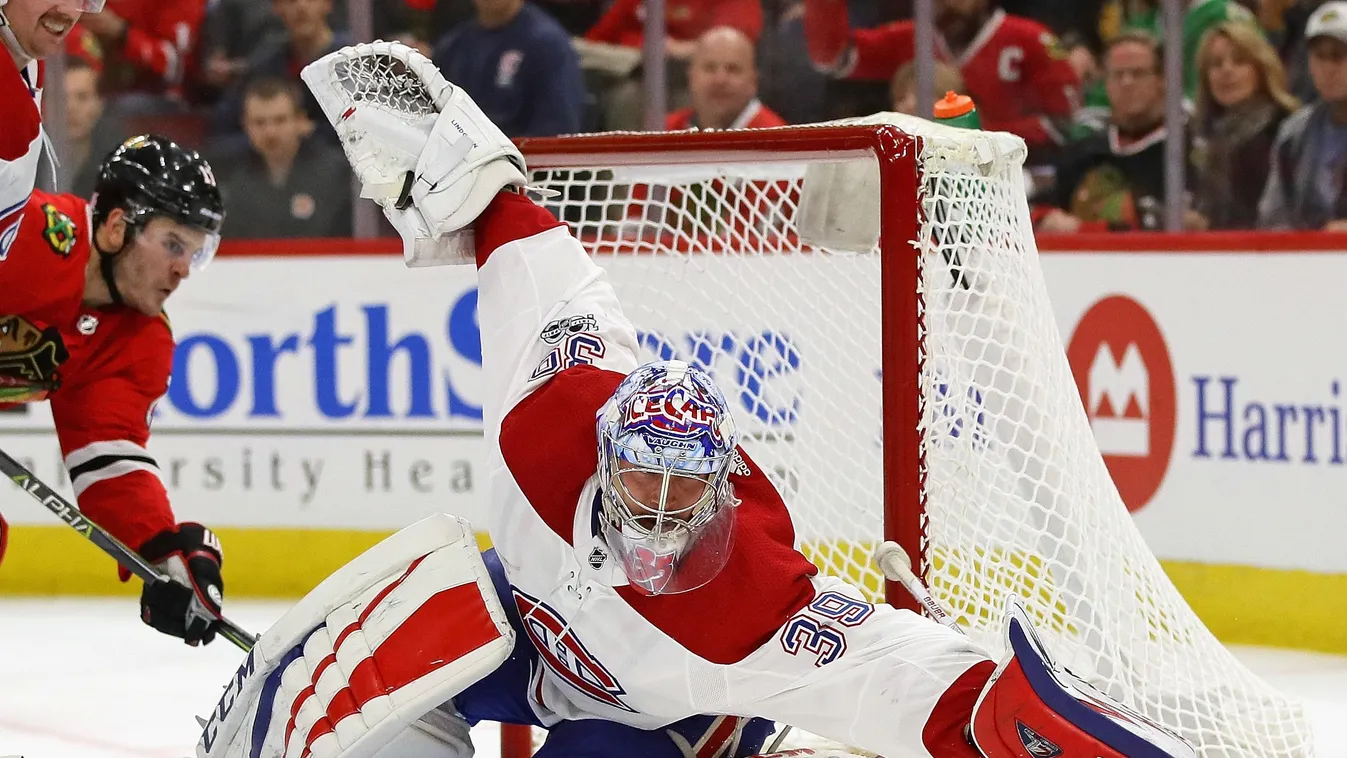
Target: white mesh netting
x=707 y=258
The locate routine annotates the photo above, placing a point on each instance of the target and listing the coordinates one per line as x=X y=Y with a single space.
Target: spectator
x=1202 y=15
x=518 y=64
x=90 y=133
x=1241 y=103
x=290 y=183
x=685 y=21
x=787 y=82
x=1309 y=160
x=1016 y=70
x=233 y=32
x=723 y=84
x=903 y=88
x=1295 y=48
x=1115 y=180
x=148 y=46
x=308 y=37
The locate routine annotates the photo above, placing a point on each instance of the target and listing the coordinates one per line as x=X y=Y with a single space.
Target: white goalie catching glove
x=421 y=148
x=368 y=653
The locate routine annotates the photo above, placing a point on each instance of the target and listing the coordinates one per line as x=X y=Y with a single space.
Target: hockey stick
x=96 y=534
x=897 y=567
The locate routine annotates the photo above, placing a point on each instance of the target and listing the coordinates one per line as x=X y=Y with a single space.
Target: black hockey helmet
x=149 y=176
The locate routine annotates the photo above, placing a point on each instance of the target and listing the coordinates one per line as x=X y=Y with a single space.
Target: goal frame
x=895 y=153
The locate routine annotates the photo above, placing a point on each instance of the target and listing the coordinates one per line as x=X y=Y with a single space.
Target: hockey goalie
x=643 y=597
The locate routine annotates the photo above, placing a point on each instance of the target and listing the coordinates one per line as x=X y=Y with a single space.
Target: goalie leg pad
x=401 y=629
x=1031 y=708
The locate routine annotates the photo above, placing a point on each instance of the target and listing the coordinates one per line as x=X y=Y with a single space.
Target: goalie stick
x=96 y=534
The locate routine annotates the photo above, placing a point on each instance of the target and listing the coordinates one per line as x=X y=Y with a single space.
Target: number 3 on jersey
x=575 y=350
x=823 y=638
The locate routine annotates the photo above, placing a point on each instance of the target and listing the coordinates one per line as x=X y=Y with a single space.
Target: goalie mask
x=666 y=448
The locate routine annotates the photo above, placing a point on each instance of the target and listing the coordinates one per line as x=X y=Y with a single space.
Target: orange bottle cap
x=953 y=105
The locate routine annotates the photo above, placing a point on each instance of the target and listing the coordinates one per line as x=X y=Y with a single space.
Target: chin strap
x=106 y=261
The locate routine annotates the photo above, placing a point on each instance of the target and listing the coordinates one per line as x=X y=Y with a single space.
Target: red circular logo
x=1123 y=372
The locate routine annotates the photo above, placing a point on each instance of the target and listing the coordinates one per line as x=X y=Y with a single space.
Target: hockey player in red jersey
x=82 y=324
x=30 y=30
x=1015 y=68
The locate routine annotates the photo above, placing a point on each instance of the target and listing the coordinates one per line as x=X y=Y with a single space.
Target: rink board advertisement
x=321 y=402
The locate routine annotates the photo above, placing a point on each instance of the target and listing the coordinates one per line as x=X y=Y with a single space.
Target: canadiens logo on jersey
x=60 y=232
x=564 y=655
x=29 y=357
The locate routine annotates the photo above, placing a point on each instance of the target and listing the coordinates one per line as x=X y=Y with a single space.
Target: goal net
x=869 y=296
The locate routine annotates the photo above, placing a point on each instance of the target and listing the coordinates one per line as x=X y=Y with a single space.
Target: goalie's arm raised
x=543 y=306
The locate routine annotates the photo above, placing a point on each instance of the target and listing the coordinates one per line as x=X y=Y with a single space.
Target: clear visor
x=676 y=558
x=202 y=258
x=178 y=240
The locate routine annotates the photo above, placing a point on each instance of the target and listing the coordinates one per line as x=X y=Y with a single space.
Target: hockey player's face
x=641 y=490
x=156 y=262
x=41 y=26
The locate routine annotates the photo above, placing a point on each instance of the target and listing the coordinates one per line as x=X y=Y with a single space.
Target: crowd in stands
x=1265 y=85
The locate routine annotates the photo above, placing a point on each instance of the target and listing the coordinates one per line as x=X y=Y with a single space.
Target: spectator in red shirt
x=723 y=84
x=1016 y=69
x=685 y=22
x=147 y=44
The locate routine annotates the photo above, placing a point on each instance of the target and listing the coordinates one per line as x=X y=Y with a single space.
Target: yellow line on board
x=1240 y=604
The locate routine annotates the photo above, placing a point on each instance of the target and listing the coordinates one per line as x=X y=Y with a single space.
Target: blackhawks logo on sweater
x=60 y=231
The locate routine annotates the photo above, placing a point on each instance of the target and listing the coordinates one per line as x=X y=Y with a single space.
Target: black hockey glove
x=189 y=606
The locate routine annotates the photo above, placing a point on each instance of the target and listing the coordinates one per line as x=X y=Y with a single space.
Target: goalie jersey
x=766 y=637
x=102 y=369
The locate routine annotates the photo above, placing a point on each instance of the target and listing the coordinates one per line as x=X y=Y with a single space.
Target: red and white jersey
x=112 y=365
x=1015 y=69
x=21 y=140
x=767 y=637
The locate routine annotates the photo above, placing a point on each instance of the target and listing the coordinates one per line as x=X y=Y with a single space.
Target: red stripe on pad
x=449 y=625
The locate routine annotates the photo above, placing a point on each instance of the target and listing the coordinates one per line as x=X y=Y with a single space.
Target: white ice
x=85 y=679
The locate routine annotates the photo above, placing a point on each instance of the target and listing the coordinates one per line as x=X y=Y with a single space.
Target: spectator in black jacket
x=289 y=183
x=1115 y=180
